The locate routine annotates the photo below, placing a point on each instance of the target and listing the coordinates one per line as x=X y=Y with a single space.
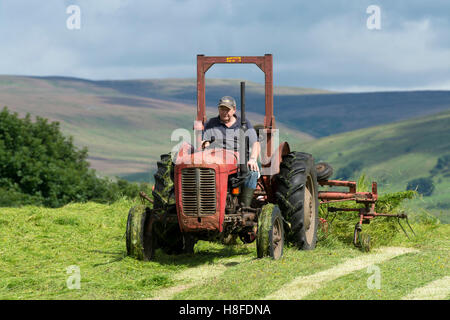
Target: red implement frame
x=369 y=199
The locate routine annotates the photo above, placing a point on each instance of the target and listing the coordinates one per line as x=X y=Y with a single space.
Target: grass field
x=40 y=245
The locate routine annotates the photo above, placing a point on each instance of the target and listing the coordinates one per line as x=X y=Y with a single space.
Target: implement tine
x=404 y=216
x=407 y=222
x=404 y=231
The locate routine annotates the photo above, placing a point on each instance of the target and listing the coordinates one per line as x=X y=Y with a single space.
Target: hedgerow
x=39 y=165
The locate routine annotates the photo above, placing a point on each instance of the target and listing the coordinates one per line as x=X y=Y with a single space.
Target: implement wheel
x=365 y=242
x=140 y=238
x=270 y=234
x=361 y=240
x=324 y=171
x=357 y=235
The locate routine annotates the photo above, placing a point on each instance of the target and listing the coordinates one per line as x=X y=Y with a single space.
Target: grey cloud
x=323 y=44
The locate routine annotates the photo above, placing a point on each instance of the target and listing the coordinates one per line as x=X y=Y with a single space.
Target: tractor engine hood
x=226 y=159
x=201 y=182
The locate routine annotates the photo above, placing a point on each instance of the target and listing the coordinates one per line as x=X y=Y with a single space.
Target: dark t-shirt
x=227 y=137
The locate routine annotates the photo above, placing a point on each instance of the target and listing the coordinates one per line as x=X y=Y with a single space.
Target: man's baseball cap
x=228 y=102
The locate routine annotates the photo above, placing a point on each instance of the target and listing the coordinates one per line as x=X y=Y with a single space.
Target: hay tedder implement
x=197 y=192
x=366 y=214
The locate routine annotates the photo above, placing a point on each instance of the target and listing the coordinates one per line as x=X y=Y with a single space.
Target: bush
x=13 y=198
x=39 y=165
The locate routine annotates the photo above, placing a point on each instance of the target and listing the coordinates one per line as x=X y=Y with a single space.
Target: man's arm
x=253 y=161
x=206 y=135
x=256 y=147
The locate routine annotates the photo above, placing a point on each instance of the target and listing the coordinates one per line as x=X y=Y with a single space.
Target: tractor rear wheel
x=164 y=191
x=169 y=237
x=297 y=197
x=270 y=234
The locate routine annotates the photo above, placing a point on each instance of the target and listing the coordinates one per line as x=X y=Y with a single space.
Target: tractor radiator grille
x=198 y=187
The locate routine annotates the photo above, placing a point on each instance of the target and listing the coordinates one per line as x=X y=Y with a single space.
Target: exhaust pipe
x=243 y=139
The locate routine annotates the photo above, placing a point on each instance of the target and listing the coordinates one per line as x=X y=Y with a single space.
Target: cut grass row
x=398 y=277
x=39 y=245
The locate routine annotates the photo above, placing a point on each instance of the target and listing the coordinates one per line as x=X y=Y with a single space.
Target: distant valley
x=392 y=137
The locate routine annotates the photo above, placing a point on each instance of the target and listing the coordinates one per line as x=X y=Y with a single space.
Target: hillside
x=394 y=154
x=127 y=124
x=324 y=115
x=125 y=133
x=314 y=111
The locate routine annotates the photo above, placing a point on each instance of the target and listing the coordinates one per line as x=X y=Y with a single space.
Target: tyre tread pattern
x=294 y=170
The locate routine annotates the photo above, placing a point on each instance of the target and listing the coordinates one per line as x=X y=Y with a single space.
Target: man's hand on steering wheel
x=253 y=164
x=205 y=144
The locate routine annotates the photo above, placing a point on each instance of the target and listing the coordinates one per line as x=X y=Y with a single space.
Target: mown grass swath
x=41 y=243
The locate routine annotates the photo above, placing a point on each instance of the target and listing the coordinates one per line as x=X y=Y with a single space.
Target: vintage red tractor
x=196 y=192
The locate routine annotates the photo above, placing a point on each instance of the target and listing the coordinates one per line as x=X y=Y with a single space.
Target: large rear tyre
x=297 y=197
x=170 y=238
x=270 y=234
x=164 y=191
x=140 y=238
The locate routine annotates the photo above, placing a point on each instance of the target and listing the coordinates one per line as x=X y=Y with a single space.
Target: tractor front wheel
x=140 y=238
x=270 y=234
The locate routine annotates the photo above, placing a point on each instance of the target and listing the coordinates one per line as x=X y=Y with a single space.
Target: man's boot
x=246 y=196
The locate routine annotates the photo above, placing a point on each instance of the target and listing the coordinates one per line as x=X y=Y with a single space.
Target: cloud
x=323 y=44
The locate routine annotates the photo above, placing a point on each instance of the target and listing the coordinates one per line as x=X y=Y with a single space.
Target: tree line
x=41 y=166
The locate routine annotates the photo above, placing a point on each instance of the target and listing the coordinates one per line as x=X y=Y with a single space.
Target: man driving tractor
x=224 y=131
x=198 y=197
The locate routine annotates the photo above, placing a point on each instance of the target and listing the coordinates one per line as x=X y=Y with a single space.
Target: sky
x=335 y=45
